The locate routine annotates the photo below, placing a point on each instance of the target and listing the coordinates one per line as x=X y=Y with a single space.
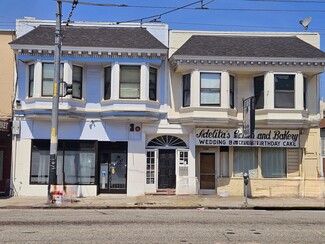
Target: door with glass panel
x=207 y=172
x=113 y=169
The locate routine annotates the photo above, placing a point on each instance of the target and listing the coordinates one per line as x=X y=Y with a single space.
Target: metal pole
x=55 y=103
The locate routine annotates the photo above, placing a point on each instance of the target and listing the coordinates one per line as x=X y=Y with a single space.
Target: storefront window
x=245 y=159
x=273 y=162
x=75 y=163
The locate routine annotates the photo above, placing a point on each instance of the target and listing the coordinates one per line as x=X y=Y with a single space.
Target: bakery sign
x=4 y=126
x=235 y=137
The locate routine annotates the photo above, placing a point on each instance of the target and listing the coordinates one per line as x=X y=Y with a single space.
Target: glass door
x=113 y=167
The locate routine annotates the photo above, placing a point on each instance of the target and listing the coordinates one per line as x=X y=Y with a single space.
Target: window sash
x=48 y=78
x=210 y=88
x=107 y=84
x=245 y=159
x=152 y=84
x=130 y=82
x=31 y=80
x=273 y=162
x=151 y=167
x=77 y=82
x=259 y=92
x=284 y=91
x=186 y=90
x=232 y=91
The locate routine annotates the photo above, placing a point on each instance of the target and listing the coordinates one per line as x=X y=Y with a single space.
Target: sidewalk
x=199 y=202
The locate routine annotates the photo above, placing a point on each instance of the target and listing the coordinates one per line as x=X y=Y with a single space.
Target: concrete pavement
x=199 y=202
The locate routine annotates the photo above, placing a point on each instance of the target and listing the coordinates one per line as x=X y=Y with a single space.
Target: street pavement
x=165 y=202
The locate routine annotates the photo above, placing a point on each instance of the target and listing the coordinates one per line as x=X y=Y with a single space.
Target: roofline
x=7 y=32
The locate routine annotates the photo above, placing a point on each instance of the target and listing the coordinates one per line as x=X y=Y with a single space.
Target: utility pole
x=52 y=180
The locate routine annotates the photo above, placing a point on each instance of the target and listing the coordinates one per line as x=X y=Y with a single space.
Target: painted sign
x=235 y=137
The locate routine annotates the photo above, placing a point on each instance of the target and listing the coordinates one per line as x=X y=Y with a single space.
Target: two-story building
x=213 y=73
x=6 y=97
x=143 y=120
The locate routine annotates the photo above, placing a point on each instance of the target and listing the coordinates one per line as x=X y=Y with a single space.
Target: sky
x=216 y=15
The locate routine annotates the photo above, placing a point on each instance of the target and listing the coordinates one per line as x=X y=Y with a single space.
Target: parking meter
x=246 y=177
x=246 y=181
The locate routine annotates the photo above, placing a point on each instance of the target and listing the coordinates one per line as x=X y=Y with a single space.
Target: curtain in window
x=273 y=162
x=245 y=159
x=130 y=82
x=210 y=89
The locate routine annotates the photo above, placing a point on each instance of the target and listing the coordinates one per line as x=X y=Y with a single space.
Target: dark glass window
x=77 y=82
x=284 y=91
x=107 y=85
x=305 y=93
x=153 y=84
x=186 y=90
x=259 y=92
x=232 y=91
x=31 y=80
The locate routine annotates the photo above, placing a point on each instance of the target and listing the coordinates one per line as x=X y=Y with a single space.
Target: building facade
x=6 y=98
x=214 y=74
x=153 y=110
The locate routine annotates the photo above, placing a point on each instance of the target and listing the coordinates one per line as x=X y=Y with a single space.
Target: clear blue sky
x=221 y=15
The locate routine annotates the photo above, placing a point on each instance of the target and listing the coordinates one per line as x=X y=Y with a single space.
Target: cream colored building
x=212 y=73
x=6 y=97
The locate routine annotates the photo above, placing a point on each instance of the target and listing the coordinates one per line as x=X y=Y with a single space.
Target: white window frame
x=220 y=88
x=152 y=187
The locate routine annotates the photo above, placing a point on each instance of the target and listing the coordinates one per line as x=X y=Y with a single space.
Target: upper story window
x=107 y=84
x=210 y=89
x=232 y=91
x=259 y=92
x=48 y=77
x=305 y=93
x=130 y=81
x=152 y=84
x=77 y=82
x=186 y=90
x=284 y=91
x=31 y=80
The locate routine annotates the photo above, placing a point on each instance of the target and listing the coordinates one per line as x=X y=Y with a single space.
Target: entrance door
x=113 y=168
x=207 y=171
x=166 y=169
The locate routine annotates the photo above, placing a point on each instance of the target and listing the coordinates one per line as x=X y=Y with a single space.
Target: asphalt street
x=160 y=226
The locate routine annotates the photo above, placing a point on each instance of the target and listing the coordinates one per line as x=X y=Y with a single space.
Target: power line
x=287 y=1
x=74 y=5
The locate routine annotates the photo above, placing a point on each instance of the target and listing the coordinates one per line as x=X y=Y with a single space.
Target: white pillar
x=269 y=90
x=144 y=82
x=299 y=91
x=115 y=81
x=224 y=93
x=195 y=88
x=37 y=79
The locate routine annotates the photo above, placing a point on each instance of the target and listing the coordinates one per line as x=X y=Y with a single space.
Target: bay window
x=130 y=81
x=284 y=91
x=210 y=89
